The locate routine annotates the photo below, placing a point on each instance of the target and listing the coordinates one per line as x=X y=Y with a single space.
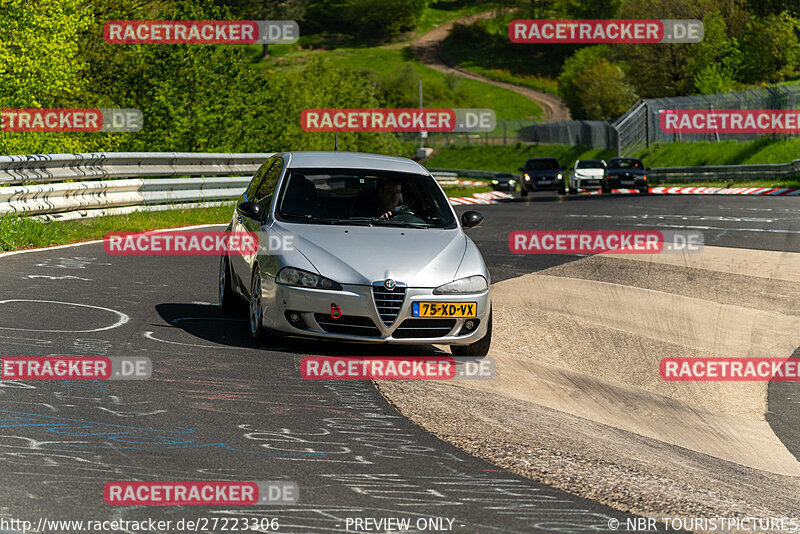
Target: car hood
x=363 y=255
x=636 y=172
x=589 y=172
x=542 y=172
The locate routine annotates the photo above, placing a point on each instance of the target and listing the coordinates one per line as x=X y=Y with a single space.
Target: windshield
x=625 y=164
x=544 y=164
x=590 y=164
x=363 y=197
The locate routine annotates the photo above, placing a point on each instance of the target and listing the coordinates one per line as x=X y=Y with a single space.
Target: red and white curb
x=724 y=191
x=705 y=191
x=468 y=182
x=490 y=197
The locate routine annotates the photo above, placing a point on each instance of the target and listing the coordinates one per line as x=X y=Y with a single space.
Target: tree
x=604 y=93
x=770 y=48
x=569 y=90
x=713 y=64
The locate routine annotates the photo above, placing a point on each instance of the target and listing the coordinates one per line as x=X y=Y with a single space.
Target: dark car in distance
x=505 y=181
x=629 y=173
x=542 y=174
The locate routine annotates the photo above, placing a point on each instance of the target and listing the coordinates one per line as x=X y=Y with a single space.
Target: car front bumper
x=360 y=321
x=543 y=183
x=617 y=182
x=587 y=183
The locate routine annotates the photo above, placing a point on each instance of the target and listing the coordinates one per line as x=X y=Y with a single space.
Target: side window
x=257 y=179
x=267 y=186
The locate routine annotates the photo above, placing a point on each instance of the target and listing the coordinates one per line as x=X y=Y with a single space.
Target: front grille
x=420 y=328
x=348 y=324
x=388 y=302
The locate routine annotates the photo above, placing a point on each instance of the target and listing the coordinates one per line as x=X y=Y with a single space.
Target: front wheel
x=256 y=311
x=644 y=191
x=562 y=190
x=523 y=192
x=573 y=191
x=480 y=348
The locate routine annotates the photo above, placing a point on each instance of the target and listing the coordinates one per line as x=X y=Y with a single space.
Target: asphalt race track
x=219 y=407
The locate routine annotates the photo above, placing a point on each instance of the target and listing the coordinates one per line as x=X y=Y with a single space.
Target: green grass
x=20 y=233
x=508 y=158
x=471 y=94
x=533 y=66
x=465 y=190
x=725 y=153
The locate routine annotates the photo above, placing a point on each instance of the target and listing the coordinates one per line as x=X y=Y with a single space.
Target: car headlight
x=289 y=276
x=559 y=176
x=514 y=182
x=495 y=182
x=527 y=178
x=471 y=284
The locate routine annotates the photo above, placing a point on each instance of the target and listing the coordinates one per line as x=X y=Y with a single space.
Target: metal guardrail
x=38 y=168
x=67 y=186
x=766 y=171
x=103 y=183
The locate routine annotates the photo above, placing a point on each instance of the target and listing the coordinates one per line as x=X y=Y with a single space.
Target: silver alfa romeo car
x=357 y=247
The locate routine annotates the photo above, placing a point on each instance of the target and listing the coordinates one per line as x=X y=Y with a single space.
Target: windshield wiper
x=400 y=224
x=308 y=218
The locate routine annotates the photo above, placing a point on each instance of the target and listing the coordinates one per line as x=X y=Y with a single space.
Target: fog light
x=295 y=319
x=469 y=327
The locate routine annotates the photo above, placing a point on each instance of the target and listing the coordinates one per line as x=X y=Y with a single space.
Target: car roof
x=621 y=158
x=354 y=160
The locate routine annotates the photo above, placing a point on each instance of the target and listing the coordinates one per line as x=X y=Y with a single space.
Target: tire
x=523 y=192
x=255 y=310
x=573 y=191
x=644 y=191
x=478 y=349
x=605 y=189
x=229 y=302
x=562 y=191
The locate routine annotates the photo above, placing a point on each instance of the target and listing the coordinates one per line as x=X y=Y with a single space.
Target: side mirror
x=571 y=169
x=251 y=210
x=521 y=169
x=647 y=169
x=471 y=218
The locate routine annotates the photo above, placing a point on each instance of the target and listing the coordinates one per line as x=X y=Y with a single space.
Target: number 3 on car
x=444 y=309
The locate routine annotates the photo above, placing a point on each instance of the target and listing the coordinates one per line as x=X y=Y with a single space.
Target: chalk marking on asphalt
x=123 y=318
x=149 y=335
x=95 y=241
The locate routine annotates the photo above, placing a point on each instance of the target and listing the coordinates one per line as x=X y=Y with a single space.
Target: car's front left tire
x=478 y=349
x=255 y=311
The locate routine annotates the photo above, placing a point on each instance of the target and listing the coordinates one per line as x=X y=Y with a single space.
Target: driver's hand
x=386 y=216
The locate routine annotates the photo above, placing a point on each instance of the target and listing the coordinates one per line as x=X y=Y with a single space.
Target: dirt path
x=428 y=47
